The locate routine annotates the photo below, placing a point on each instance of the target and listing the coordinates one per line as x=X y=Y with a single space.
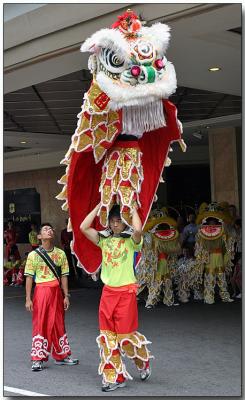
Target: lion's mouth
x=167 y=234
x=211 y=231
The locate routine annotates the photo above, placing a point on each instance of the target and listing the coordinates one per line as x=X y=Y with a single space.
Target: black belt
x=126 y=138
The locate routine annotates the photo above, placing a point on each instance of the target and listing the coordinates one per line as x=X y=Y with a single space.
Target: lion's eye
x=111 y=59
x=145 y=48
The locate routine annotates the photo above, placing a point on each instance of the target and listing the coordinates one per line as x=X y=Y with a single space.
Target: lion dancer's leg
x=209 y=285
x=183 y=289
x=163 y=275
x=198 y=292
x=133 y=345
x=118 y=335
x=111 y=366
x=154 y=291
x=197 y=283
x=141 y=276
x=168 y=294
x=154 y=288
x=121 y=180
x=222 y=284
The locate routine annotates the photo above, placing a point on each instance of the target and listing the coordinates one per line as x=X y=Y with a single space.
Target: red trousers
x=118 y=321
x=48 y=323
x=118 y=311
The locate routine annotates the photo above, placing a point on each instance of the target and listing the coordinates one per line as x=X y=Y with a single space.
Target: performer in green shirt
x=118 y=312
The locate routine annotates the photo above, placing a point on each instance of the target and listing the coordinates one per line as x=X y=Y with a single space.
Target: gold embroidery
x=139 y=363
x=116 y=361
x=84 y=141
x=112 y=117
x=85 y=124
x=111 y=131
x=142 y=352
x=134 y=179
x=111 y=168
x=97 y=119
x=127 y=217
x=106 y=194
x=99 y=135
x=126 y=169
x=129 y=349
x=111 y=337
x=110 y=375
x=99 y=152
x=125 y=194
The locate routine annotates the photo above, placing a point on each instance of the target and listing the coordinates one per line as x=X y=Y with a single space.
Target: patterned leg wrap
x=183 y=293
x=134 y=346
x=209 y=284
x=168 y=298
x=154 y=293
x=111 y=366
x=113 y=346
x=221 y=280
x=198 y=292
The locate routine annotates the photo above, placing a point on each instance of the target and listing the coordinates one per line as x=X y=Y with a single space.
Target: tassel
x=143 y=118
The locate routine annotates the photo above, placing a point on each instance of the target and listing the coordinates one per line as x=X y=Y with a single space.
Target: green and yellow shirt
x=39 y=270
x=118 y=260
x=11 y=264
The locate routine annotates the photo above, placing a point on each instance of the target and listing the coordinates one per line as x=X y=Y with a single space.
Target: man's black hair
x=115 y=212
x=45 y=224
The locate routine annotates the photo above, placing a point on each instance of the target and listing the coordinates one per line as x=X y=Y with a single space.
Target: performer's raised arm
x=137 y=227
x=85 y=226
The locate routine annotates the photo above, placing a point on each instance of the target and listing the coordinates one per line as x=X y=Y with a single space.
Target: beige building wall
x=45 y=182
x=223 y=165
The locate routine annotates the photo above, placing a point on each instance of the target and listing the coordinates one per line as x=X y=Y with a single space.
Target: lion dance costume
x=214 y=250
x=160 y=255
x=120 y=147
x=125 y=129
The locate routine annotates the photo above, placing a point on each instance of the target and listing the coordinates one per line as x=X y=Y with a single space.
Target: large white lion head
x=128 y=61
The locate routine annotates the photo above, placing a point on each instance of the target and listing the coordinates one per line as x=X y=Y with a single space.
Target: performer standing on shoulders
x=50 y=267
x=118 y=312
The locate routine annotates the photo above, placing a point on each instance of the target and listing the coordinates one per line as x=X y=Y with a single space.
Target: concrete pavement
x=197 y=350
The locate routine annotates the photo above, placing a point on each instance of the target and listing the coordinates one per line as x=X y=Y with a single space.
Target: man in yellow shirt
x=33 y=239
x=50 y=300
x=118 y=312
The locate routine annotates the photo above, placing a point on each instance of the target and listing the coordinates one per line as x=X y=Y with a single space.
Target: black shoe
x=37 y=365
x=109 y=387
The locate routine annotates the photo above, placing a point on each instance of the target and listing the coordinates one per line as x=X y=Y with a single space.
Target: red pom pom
x=136 y=25
x=159 y=63
x=135 y=70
